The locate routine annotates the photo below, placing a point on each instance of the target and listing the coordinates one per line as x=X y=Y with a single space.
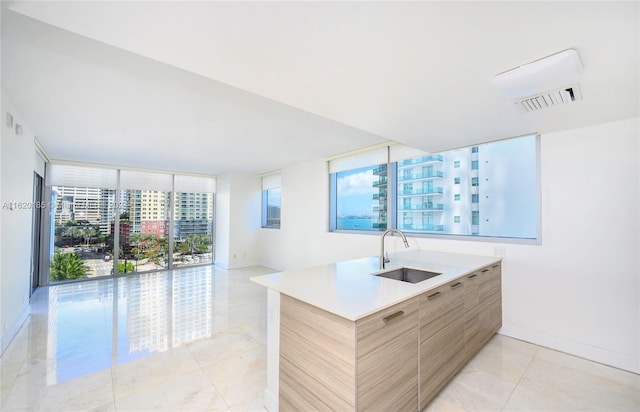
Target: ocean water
x=355 y=224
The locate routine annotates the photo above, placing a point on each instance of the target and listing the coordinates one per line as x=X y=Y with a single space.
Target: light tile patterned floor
x=194 y=339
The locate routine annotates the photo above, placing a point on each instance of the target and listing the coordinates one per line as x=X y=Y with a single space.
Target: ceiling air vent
x=548 y=99
x=543 y=83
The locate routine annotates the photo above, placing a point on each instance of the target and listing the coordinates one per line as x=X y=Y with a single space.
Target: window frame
x=393 y=214
x=265 y=210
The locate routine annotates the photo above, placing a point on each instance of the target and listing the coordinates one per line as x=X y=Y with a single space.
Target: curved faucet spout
x=384 y=260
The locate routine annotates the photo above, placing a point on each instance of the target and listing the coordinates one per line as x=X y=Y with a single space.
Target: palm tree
x=67 y=266
x=191 y=240
x=88 y=234
x=72 y=232
x=135 y=238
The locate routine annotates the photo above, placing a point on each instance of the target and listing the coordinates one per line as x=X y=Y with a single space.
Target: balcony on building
x=422 y=207
x=382 y=181
x=421 y=160
x=424 y=192
x=380 y=170
x=435 y=174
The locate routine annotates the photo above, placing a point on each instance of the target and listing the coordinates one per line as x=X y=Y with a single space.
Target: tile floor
x=194 y=339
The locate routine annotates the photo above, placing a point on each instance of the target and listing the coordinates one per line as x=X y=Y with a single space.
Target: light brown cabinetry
x=442 y=337
x=330 y=363
x=456 y=321
x=397 y=359
x=387 y=360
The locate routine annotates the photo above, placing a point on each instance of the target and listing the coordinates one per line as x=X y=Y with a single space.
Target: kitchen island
x=339 y=337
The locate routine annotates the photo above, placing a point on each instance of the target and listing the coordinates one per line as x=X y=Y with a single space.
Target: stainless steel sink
x=408 y=275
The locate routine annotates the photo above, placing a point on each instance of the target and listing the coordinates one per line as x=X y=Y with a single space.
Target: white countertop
x=349 y=290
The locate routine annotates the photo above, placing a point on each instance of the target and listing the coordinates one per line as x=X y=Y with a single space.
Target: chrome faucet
x=383 y=259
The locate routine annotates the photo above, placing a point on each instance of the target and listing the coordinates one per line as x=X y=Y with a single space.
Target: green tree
x=183 y=248
x=135 y=239
x=125 y=267
x=88 y=234
x=73 y=232
x=67 y=266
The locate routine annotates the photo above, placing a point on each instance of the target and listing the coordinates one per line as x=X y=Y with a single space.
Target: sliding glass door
x=193 y=221
x=116 y=222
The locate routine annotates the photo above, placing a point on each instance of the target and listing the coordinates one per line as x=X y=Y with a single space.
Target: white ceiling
x=218 y=87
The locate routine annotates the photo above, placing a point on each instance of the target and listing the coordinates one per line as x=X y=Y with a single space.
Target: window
x=102 y=219
x=271 y=208
x=360 y=189
x=193 y=220
x=271 y=201
x=361 y=199
x=430 y=205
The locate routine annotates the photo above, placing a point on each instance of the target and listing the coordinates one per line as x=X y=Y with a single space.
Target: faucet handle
x=386 y=257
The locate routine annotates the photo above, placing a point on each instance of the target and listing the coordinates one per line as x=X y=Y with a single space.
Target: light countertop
x=348 y=289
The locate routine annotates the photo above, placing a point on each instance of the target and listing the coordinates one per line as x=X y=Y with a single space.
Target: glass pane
x=193 y=226
x=82 y=240
x=144 y=231
x=420 y=206
x=451 y=190
x=361 y=199
x=272 y=208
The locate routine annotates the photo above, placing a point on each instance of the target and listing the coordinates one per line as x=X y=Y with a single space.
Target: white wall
x=238 y=198
x=16 y=180
x=578 y=292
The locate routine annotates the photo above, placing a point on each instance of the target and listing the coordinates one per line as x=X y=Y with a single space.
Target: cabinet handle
x=433 y=296
x=485 y=270
x=393 y=316
x=456 y=286
x=472 y=276
x=493 y=267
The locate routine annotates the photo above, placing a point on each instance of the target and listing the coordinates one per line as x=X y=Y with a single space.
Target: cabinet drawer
x=440 y=306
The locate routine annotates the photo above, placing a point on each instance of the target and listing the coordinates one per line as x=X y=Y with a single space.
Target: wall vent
x=557 y=97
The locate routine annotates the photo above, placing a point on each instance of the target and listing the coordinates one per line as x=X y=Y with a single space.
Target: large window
x=361 y=198
x=109 y=221
x=81 y=243
x=193 y=221
x=422 y=193
x=271 y=201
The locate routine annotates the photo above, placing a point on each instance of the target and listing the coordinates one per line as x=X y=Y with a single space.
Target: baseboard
x=13 y=330
x=232 y=266
x=617 y=360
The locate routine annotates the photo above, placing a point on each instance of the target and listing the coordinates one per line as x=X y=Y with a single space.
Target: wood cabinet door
x=442 y=339
x=387 y=361
x=472 y=337
x=490 y=305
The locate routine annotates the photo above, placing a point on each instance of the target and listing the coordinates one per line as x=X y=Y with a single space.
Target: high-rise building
x=77 y=203
x=193 y=214
x=109 y=206
x=379 y=208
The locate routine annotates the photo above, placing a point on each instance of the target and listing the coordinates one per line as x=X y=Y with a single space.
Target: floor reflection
x=94 y=325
